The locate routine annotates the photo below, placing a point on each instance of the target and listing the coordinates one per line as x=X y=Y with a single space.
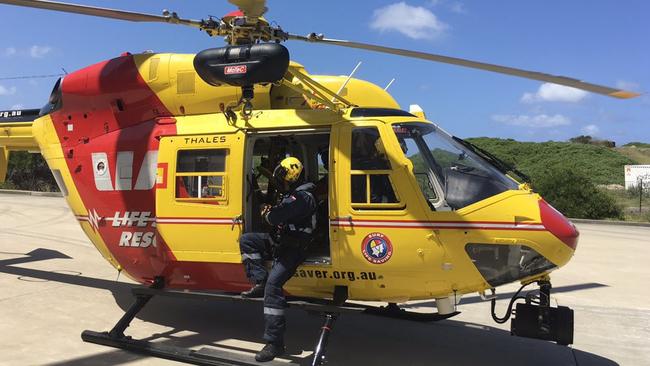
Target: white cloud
x=549 y=92
x=536 y=121
x=590 y=130
x=413 y=21
x=39 y=51
x=10 y=51
x=7 y=91
x=16 y=107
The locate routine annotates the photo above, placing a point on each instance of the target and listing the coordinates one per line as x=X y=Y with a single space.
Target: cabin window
x=201 y=176
x=370 y=181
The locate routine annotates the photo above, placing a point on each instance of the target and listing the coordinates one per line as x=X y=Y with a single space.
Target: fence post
x=639 y=185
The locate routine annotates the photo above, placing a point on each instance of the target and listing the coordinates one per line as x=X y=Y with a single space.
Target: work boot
x=255 y=292
x=269 y=352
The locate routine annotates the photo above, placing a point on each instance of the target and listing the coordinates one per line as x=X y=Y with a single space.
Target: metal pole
x=640 y=187
x=321 y=347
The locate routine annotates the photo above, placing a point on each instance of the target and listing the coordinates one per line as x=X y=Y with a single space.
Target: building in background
x=637 y=174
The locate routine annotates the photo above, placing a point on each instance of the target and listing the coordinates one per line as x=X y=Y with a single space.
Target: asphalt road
x=54 y=285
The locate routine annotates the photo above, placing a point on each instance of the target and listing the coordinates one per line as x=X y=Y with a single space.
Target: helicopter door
x=264 y=152
x=199 y=196
x=376 y=205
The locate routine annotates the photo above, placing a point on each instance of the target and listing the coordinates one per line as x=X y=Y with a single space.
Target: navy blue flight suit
x=295 y=216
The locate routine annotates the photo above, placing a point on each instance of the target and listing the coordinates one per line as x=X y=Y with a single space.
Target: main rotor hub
x=239 y=29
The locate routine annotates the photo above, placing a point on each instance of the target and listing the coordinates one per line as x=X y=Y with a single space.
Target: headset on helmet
x=288 y=170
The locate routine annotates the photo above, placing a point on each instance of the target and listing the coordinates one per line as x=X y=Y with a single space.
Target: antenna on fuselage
x=389 y=84
x=346 y=81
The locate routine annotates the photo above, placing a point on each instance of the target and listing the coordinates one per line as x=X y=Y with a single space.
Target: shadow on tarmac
x=356 y=338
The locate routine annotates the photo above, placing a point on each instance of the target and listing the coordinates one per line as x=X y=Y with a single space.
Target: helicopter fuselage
x=163 y=182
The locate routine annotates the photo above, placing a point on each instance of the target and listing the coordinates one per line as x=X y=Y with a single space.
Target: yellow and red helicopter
x=164 y=160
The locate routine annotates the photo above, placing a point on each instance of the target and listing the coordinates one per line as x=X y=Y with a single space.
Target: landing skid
x=394 y=311
x=204 y=356
x=329 y=310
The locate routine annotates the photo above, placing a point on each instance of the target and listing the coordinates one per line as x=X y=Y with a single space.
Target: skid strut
x=321 y=346
x=330 y=310
x=116 y=338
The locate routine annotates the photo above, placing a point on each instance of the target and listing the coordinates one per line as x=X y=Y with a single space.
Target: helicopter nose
x=558 y=225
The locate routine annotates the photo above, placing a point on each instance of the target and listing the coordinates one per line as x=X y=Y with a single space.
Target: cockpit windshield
x=444 y=167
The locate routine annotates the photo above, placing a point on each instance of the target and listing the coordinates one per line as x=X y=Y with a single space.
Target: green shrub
x=603 y=165
x=574 y=194
x=29 y=172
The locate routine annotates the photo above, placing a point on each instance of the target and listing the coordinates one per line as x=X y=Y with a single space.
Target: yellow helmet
x=288 y=170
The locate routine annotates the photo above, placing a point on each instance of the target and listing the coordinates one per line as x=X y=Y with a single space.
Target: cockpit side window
x=462 y=176
x=423 y=175
x=370 y=182
x=368 y=151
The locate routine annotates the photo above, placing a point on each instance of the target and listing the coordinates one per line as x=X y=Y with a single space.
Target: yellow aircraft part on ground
x=14 y=137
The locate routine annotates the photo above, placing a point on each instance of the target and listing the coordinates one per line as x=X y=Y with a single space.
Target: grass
x=639 y=154
x=629 y=202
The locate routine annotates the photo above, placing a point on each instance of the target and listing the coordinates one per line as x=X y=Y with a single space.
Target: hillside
x=603 y=165
x=636 y=153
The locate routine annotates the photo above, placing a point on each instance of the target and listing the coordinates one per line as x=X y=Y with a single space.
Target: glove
x=265 y=210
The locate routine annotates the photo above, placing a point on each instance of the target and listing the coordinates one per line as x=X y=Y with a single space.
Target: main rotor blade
x=562 y=80
x=251 y=8
x=101 y=12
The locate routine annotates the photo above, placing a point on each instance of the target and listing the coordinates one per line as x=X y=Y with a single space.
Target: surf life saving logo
x=377 y=248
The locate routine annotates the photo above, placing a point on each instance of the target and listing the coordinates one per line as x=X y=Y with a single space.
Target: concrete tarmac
x=54 y=284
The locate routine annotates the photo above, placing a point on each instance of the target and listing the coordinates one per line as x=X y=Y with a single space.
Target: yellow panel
x=4 y=162
x=183 y=92
x=18 y=136
x=186 y=82
x=214 y=235
x=154 y=62
x=170 y=77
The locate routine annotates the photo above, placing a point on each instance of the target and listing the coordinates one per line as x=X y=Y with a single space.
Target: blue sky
x=604 y=42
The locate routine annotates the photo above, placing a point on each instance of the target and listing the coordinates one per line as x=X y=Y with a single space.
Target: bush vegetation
x=601 y=164
x=574 y=194
x=29 y=172
x=586 y=139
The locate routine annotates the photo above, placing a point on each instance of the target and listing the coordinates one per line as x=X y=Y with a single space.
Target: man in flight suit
x=294 y=219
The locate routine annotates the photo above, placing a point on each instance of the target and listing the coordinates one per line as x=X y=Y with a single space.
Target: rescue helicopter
x=164 y=160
